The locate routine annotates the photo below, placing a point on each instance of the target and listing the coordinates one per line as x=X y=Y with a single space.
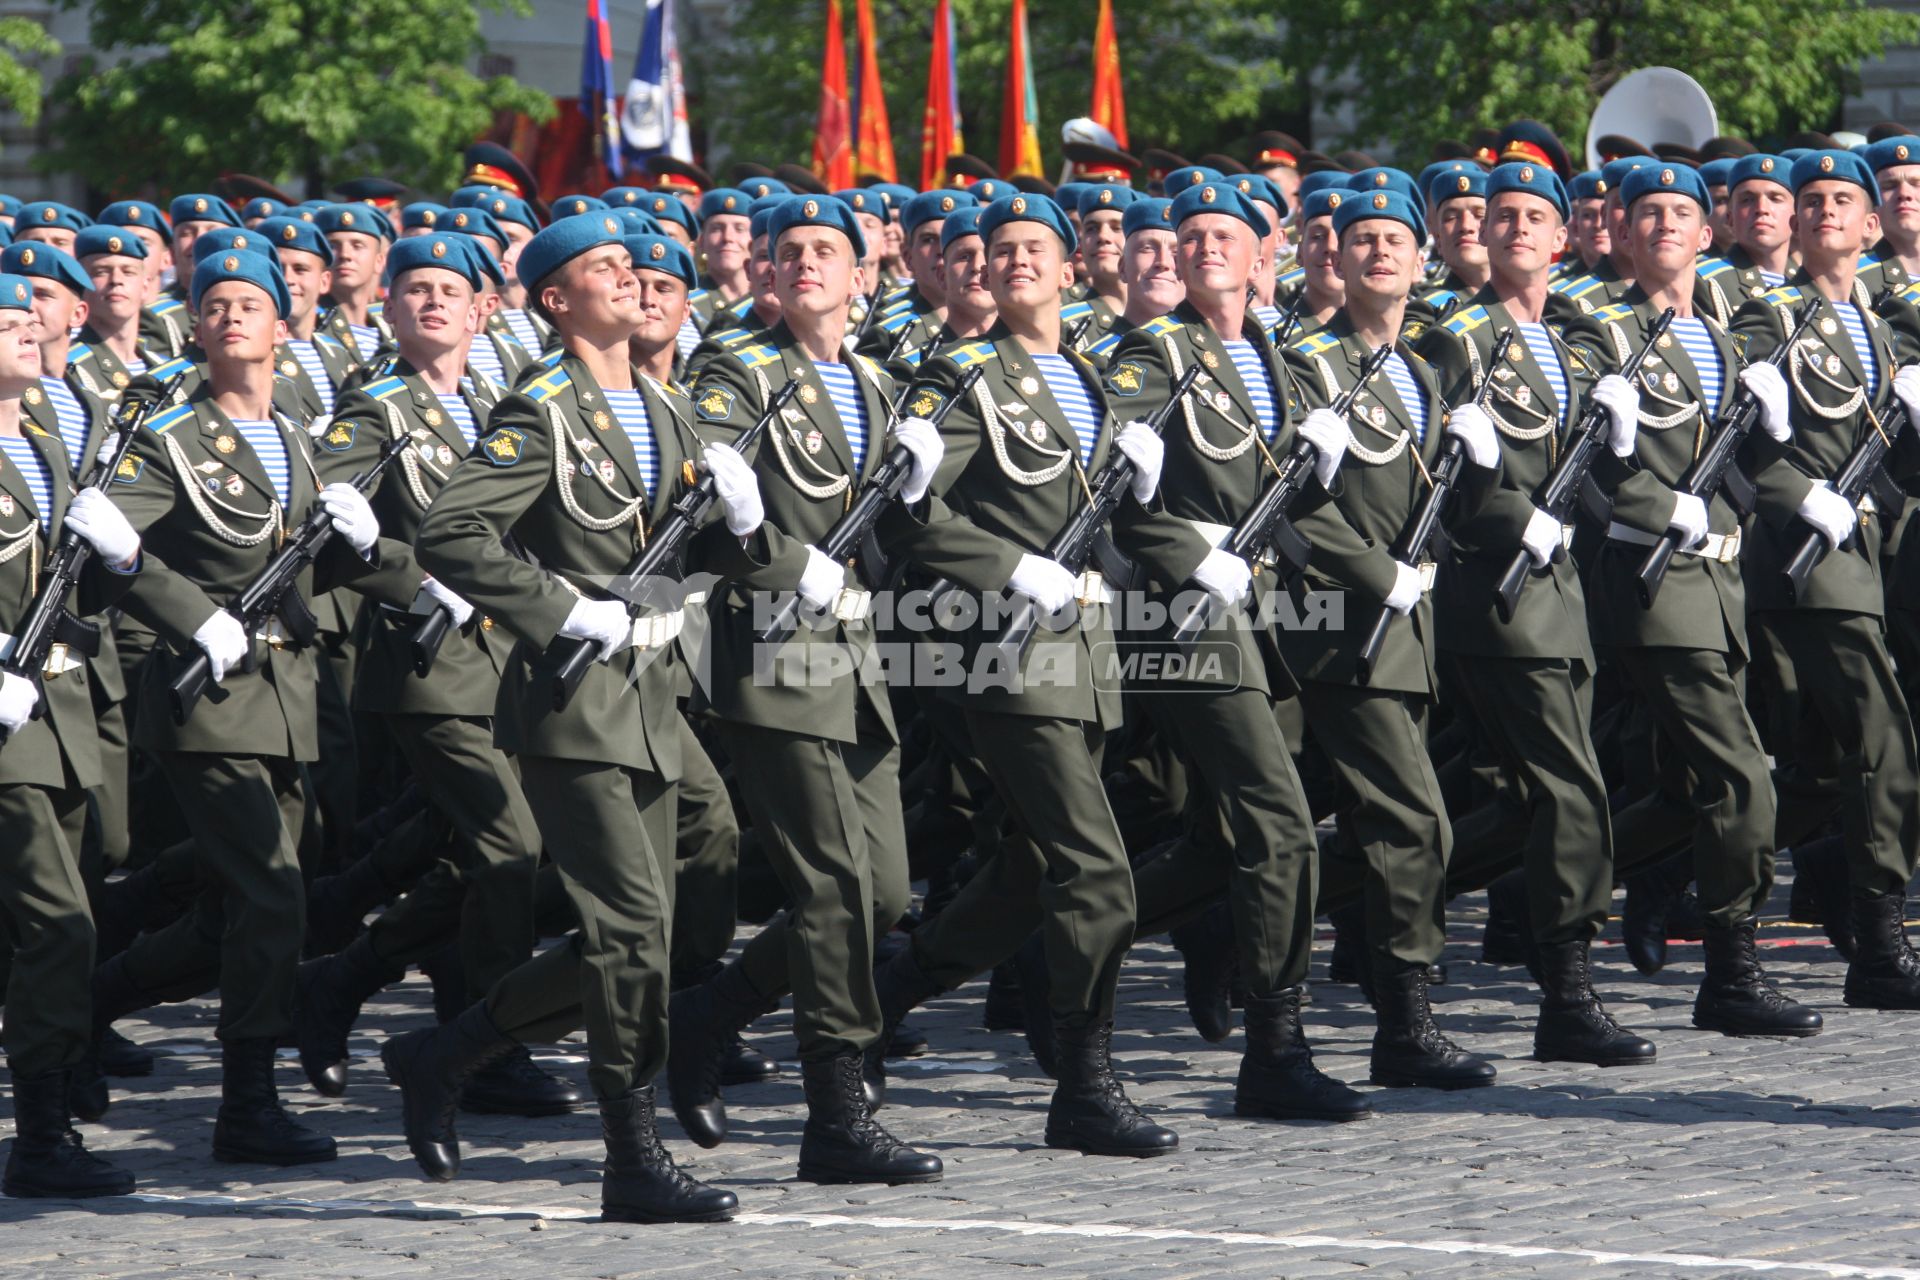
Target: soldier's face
x=308 y=281
x=19 y=353
x=1275 y=242
x=726 y=240
x=517 y=237
x=59 y=237
x=357 y=259
x=238 y=323
x=676 y=233
x=185 y=233
x=1148 y=268
x=1458 y=231
x=1379 y=259
x=966 y=281
x=814 y=271
x=57 y=310
x=1717 y=220
x=1900 y=201
x=596 y=296
x=1831 y=219
x=1027 y=268
x=1522 y=233
x=432 y=311
x=1761 y=214
x=760 y=276
x=1320 y=258
x=1616 y=220
x=923 y=259
x=1665 y=232
x=1101 y=242
x=121 y=286
x=1590 y=230
x=874 y=232
x=1217 y=254
x=663 y=308
x=159 y=255
x=896 y=241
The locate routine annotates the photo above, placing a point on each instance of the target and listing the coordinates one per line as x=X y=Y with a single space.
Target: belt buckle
x=1729 y=548
x=1426 y=569
x=57 y=663
x=1091 y=588
x=852 y=604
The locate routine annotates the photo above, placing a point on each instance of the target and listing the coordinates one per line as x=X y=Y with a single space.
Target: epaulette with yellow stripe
x=868 y=363
x=1074 y=310
x=1294 y=276
x=1159 y=325
x=698 y=294
x=1911 y=293
x=386 y=387
x=166 y=306
x=1579 y=286
x=728 y=337
x=1105 y=345
x=970 y=354
x=177 y=365
x=755 y=356
x=1785 y=295
x=33 y=429
x=79 y=351
x=162 y=423
x=1613 y=313
x=548 y=385
x=1314 y=343
x=1708 y=268
x=897 y=321
x=1467 y=321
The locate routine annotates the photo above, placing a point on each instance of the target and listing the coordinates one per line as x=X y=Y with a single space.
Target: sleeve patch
x=503 y=447
x=925 y=403
x=715 y=404
x=338 y=438
x=1127 y=379
x=129 y=469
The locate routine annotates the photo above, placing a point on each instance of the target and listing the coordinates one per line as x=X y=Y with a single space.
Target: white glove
x=1770 y=389
x=1045 y=582
x=1225 y=575
x=922 y=439
x=1541 y=537
x=1406 y=588
x=821 y=580
x=738 y=488
x=604 y=622
x=452 y=603
x=318 y=427
x=1328 y=436
x=18 y=697
x=1621 y=400
x=352 y=518
x=1470 y=425
x=1828 y=512
x=108 y=443
x=1906 y=385
x=224 y=641
x=1144 y=448
x=93 y=516
x=1690 y=518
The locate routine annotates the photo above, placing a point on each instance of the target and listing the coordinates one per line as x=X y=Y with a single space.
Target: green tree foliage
x=295 y=90
x=1414 y=71
x=21 y=86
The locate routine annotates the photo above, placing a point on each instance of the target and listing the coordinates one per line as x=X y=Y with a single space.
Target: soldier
x=909 y=322
x=46 y=765
x=726 y=245
x=1325 y=290
x=1017 y=453
x=359 y=235
x=115 y=261
x=1148 y=269
x=1457 y=205
x=1276 y=253
x=1894 y=262
x=1684 y=654
x=51 y=223
x=189 y=217
x=1103 y=209
x=1760 y=216
x=1528 y=682
x=164 y=321
x=599 y=776
x=1588 y=236
x=1831 y=632
x=1276 y=156
x=870 y=211
x=970 y=305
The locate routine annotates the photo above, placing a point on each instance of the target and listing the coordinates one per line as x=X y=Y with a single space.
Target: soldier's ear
x=80 y=312
x=1873 y=225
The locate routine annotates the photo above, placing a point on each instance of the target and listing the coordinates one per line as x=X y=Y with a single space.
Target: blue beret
x=1068 y=193
x=1426 y=176
x=9 y=205
x=443 y=249
x=1320 y=180
x=897 y=193
x=134 y=213
x=1148 y=213
x=254 y=268
x=760 y=188
x=504 y=206
x=633 y=222
x=1470 y=180
x=484 y=259
x=762 y=209
x=421 y=213
x=201 y=207
x=1759 y=167
x=1794 y=153
x=1834 y=166
x=1103 y=197
x=16 y=294
x=361 y=218
x=617 y=196
x=564 y=240
x=1384 y=202
x=315 y=204
x=1028 y=208
x=573 y=206
x=929 y=205
x=1219 y=197
x=816 y=211
x=286 y=233
x=1386 y=178
x=1257 y=186
x=1716 y=172
x=987 y=190
x=31 y=258
x=663 y=254
x=960 y=224
x=471 y=194
x=1180 y=179
x=1587 y=186
x=1672 y=179
x=262 y=207
x=1534 y=179
x=1614 y=172
x=228 y=238
x=1322 y=203
x=475 y=221
x=6 y=235
x=1884 y=154
x=97 y=240
x=724 y=202
x=50 y=213
x=863 y=200
x=664 y=208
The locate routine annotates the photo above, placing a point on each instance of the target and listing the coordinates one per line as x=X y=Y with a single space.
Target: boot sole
x=834 y=1177
x=1266 y=1111
x=1067 y=1143
x=1390 y=1080
x=481 y=1107
x=1636 y=1061
x=1864 y=1000
x=1758 y=1033
x=654 y=1219
x=237 y=1155
x=35 y=1191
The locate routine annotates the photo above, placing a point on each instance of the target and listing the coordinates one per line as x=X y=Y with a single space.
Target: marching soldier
x=1319 y=259
x=358 y=235
x=1588 y=240
x=315 y=365
x=188 y=218
x=726 y=247
x=1148 y=269
x=909 y=323
x=1760 y=218
x=115 y=261
x=1103 y=208
x=164 y=322
x=50 y=223
x=1894 y=262
x=1457 y=206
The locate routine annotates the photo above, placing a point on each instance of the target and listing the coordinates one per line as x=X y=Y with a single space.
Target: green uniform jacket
x=210 y=522
x=93 y=365
x=293 y=385
x=807 y=478
x=1550 y=620
x=166 y=325
x=555 y=474
x=1009 y=482
x=333 y=323
x=905 y=325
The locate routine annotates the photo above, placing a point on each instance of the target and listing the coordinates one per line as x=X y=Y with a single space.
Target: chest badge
x=236 y=486
x=1828 y=325
x=33 y=395
x=602 y=420
x=808 y=395
x=434 y=417
x=120 y=378
x=289 y=367
x=6 y=504
x=225 y=444
x=444 y=454
x=607 y=470
x=1210 y=360
x=814 y=439
x=1029 y=385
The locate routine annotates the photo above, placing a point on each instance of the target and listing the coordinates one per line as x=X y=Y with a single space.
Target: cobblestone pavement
x=1727 y=1158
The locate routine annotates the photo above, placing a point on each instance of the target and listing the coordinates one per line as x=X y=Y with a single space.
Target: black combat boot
x=429 y=1067
x=900 y=986
x=1408 y=1050
x=446 y=969
x=843 y=1142
x=115 y=996
x=1574 y=1026
x=1091 y=1111
x=1651 y=895
x=1884 y=974
x=48 y=1159
x=515 y=1085
x=640 y=1182
x=328 y=993
x=121 y=1058
x=1206 y=978
x=1278 y=1080
x=703 y=1022
x=747 y=1065
x=1736 y=997
x=1348 y=962
x=252 y=1127
x=1004 y=1010
x=1820 y=890
x=1508 y=938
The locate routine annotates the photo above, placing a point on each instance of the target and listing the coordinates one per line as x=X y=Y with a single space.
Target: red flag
x=1109 y=105
x=874 y=150
x=832 y=138
x=940 y=121
x=1020 y=109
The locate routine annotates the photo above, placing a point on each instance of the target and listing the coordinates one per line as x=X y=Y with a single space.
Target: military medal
x=6 y=504
x=1378 y=416
x=808 y=395
x=444 y=454
x=602 y=420
x=1503 y=373
x=289 y=367
x=425 y=450
x=225 y=444
x=814 y=439
x=1210 y=360
x=1029 y=385
x=1012 y=408
x=1666 y=340
x=1522 y=395
x=120 y=378
x=1828 y=325
x=236 y=486
x=213 y=485
x=1222 y=403
x=607 y=470
x=1513 y=353
x=1671 y=382
x=1758 y=291
x=33 y=395
x=434 y=417
x=1833 y=365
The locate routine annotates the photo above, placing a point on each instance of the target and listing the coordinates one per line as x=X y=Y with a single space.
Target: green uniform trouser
x=1394 y=823
x=1064 y=870
x=1847 y=684
x=1232 y=748
x=245 y=929
x=110 y=797
x=336 y=774
x=830 y=822
x=1714 y=771
x=707 y=853
x=1534 y=713
x=43 y=907
x=485 y=895
x=609 y=830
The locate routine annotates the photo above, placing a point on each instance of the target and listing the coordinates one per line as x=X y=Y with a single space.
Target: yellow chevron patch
x=1613 y=313
x=165 y=422
x=1314 y=343
x=1467 y=321
x=547 y=386
x=754 y=357
x=386 y=387
x=971 y=354
x=1159 y=325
